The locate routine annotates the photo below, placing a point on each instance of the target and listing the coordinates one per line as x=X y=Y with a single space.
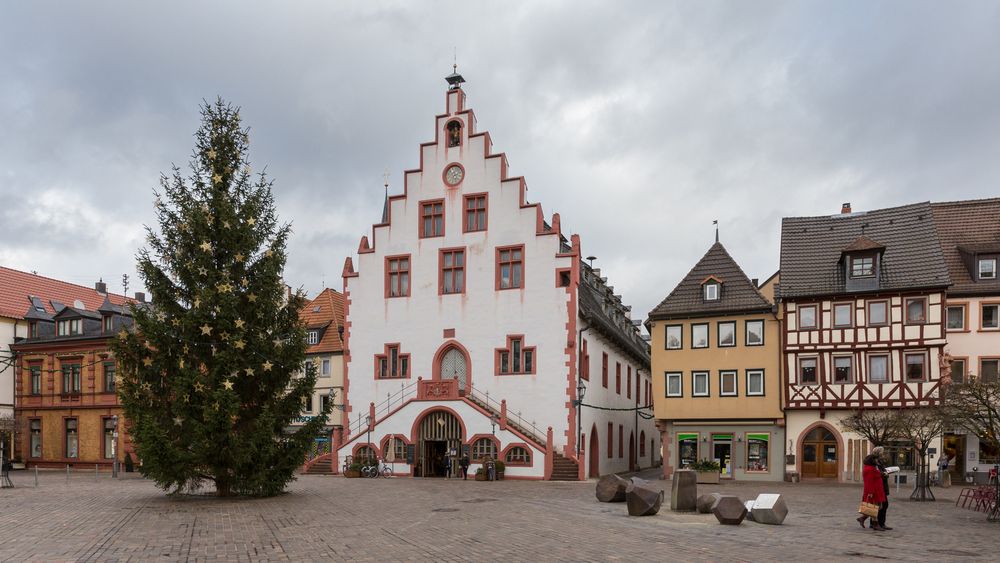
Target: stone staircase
x=564 y=469
x=531 y=434
x=322 y=465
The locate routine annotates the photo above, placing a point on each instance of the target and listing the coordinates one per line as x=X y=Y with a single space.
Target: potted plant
x=500 y=469
x=353 y=470
x=480 y=474
x=708 y=471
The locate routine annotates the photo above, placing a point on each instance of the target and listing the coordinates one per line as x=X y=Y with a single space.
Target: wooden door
x=820 y=454
x=453 y=366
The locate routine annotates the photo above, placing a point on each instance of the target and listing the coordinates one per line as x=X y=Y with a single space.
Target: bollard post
x=67 y=473
x=36 y=476
x=95 y=472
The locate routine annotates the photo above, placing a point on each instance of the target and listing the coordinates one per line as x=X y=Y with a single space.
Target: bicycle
x=377 y=470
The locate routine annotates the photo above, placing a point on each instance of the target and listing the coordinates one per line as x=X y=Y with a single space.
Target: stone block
x=642 y=498
x=749 y=505
x=684 y=491
x=706 y=502
x=730 y=510
x=769 y=509
x=611 y=488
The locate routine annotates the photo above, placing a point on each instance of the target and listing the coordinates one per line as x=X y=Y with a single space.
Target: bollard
x=95 y=472
x=36 y=476
x=67 y=473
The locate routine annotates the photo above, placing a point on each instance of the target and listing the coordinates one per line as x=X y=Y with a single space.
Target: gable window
x=990 y=316
x=35 y=375
x=807 y=371
x=518 y=455
x=989 y=370
x=956 y=317
x=69 y=327
x=842 y=314
x=958 y=371
x=392 y=364
x=878 y=313
x=516 y=358
x=109 y=377
x=36 y=437
x=711 y=292
x=727 y=334
x=727 y=383
x=674 y=337
x=432 y=219
x=604 y=370
x=987 y=268
x=916 y=311
x=475 y=212
x=755 y=333
x=313 y=337
x=843 y=367
x=510 y=267
x=807 y=316
x=618 y=378
x=72 y=438
x=699 y=336
x=916 y=369
x=755 y=382
x=862 y=267
x=453 y=271
x=397 y=276
x=699 y=384
x=675 y=384
x=71 y=378
x=878 y=368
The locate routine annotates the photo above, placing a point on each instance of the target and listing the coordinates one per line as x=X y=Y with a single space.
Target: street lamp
x=581 y=390
x=368 y=420
x=493 y=423
x=114 y=446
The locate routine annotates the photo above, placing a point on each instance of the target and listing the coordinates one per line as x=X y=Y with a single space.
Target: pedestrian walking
x=464 y=464
x=942 y=464
x=491 y=469
x=876 y=490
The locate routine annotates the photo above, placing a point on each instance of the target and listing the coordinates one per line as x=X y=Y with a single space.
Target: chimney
x=140 y=297
x=101 y=287
x=846 y=207
x=755 y=282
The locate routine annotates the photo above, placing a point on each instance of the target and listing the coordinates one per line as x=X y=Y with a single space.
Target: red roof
x=16 y=287
x=326 y=311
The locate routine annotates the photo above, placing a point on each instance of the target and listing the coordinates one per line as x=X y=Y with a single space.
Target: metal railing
x=358 y=425
x=513 y=419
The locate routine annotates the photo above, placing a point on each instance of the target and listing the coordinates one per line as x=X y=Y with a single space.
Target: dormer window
x=862 y=266
x=313 y=337
x=711 y=291
x=108 y=324
x=70 y=327
x=987 y=268
x=33 y=330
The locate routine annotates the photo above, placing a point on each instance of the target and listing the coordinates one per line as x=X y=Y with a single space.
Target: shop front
x=745 y=453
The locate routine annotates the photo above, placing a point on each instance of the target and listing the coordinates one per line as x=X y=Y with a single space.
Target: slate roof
x=737 y=295
x=811 y=250
x=598 y=306
x=325 y=313
x=972 y=226
x=16 y=287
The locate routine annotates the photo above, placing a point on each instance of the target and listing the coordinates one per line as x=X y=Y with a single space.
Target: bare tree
x=879 y=426
x=920 y=426
x=975 y=407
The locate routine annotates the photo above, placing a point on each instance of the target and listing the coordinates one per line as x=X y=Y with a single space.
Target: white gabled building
x=467 y=314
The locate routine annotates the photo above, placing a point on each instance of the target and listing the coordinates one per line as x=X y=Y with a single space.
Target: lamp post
x=581 y=390
x=114 y=446
x=493 y=422
x=368 y=420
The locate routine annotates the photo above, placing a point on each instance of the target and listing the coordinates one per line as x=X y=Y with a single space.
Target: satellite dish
x=79 y=304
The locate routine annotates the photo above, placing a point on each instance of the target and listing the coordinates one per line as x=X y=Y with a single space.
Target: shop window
x=518 y=456
x=757 y=452
x=727 y=383
x=72 y=438
x=35 y=431
x=673 y=337
x=755 y=382
x=687 y=449
x=675 y=386
x=901 y=455
x=878 y=368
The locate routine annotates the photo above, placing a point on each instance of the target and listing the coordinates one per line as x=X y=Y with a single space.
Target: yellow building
x=716 y=368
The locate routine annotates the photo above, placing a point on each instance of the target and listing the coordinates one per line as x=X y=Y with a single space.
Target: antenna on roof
x=716 y=223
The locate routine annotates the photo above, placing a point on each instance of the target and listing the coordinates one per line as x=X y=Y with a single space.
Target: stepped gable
x=605 y=311
x=326 y=314
x=737 y=293
x=965 y=228
x=16 y=288
x=812 y=249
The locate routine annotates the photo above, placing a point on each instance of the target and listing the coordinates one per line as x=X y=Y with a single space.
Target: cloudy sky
x=639 y=122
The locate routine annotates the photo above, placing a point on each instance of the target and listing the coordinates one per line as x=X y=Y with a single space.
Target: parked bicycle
x=377 y=470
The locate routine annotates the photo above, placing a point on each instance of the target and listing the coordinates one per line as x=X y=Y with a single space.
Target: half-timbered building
x=863 y=297
x=472 y=326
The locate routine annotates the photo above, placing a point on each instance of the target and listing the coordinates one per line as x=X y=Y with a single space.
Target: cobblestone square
x=401 y=519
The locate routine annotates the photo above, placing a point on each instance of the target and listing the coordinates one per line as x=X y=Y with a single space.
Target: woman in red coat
x=874 y=491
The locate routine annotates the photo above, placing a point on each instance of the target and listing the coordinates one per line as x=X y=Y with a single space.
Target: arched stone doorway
x=594 y=454
x=438 y=434
x=820 y=453
x=452 y=362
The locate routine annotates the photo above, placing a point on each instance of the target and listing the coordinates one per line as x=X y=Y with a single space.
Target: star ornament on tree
x=205 y=245
x=268 y=365
x=206 y=330
x=147 y=361
x=239 y=344
x=212 y=154
x=228 y=385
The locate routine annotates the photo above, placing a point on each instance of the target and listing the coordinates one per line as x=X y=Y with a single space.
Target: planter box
x=708 y=477
x=352 y=474
x=17 y=465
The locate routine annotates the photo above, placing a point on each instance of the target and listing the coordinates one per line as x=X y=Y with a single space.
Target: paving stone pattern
x=331 y=518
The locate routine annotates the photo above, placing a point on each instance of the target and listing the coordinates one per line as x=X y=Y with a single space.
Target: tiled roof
x=737 y=294
x=811 y=249
x=325 y=313
x=605 y=313
x=972 y=226
x=863 y=243
x=16 y=287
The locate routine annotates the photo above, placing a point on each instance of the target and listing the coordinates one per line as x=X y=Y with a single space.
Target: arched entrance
x=820 y=453
x=631 y=451
x=452 y=362
x=593 y=454
x=439 y=433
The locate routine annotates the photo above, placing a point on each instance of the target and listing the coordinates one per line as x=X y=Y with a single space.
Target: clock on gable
x=453 y=175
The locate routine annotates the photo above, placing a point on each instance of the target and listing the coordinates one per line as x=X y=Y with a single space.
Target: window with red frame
x=618 y=378
x=516 y=358
x=398 y=277
x=392 y=364
x=604 y=370
x=432 y=219
x=611 y=440
x=398 y=449
x=621 y=441
x=475 y=213
x=628 y=384
x=510 y=267
x=452 y=271
x=518 y=456
x=584 y=362
x=642 y=444
x=484 y=447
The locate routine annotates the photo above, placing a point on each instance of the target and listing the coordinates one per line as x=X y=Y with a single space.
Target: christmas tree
x=209 y=383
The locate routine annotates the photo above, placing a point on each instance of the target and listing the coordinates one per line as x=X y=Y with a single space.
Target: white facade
x=452 y=341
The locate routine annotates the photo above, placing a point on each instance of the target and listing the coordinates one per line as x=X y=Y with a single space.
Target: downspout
x=579 y=380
